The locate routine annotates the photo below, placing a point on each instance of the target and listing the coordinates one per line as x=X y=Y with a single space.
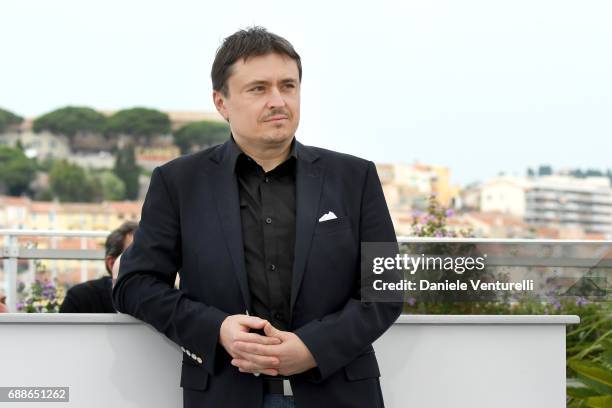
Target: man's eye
x=257 y=89
x=290 y=86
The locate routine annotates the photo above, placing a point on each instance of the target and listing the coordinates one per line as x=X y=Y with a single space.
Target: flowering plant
x=41 y=297
x=432 y=223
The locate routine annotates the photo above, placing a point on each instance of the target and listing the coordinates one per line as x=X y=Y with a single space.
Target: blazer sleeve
x=147 y=272
x=71 y=303
x=338 y=338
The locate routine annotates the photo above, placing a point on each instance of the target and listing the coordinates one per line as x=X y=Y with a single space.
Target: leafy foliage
x=16 y=170
x=69 y=182
x=128 y=171
x=138 y=122
x=7 y=119
x=112 y=188
x=71 y=120
x=197 y=135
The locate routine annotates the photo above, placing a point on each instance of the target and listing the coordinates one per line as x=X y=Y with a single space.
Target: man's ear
x=109 y=262
x=219 y=101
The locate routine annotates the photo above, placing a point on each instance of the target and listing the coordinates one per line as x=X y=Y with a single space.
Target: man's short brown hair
x=252 y=42
x=116 y=239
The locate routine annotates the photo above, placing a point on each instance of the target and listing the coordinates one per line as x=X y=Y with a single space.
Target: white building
x=505 y=194
x=42 y=145
x=99 y=160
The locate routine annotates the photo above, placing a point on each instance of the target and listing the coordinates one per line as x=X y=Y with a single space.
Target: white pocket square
x=329 y=216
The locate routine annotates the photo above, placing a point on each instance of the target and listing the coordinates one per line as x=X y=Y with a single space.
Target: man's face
x=263 y=100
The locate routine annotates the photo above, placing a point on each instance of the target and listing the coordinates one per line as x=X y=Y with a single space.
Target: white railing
x=11 y=252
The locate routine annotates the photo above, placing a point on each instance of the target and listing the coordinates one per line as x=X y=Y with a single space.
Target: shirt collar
x=234 y=151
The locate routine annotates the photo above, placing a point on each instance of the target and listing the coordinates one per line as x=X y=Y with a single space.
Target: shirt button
x=268 y=220
x=267 y=179
x=278 y=316
x=272 y=267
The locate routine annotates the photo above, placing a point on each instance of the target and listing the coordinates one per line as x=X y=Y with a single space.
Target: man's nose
x=276 y=98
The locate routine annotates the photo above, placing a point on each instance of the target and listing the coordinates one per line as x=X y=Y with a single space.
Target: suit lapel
x=309 y=182
x=225 y=188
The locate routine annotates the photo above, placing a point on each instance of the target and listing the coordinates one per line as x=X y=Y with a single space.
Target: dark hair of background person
x=114 y=241
x=252 y=42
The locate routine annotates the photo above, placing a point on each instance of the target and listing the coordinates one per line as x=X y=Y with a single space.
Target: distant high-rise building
x=560 y=201
x=570 y=202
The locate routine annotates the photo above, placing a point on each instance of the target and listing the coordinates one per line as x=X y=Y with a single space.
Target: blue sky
x=478 y=86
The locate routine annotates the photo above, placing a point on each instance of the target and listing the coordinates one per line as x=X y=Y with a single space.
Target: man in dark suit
x=94 y=296
x=266 y=234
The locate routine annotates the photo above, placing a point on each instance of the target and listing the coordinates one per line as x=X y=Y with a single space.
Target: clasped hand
x=277 y=353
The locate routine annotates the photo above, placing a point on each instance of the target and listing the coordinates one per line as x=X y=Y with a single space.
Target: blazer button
x=199 y=360
x=268 y=220
x=194 y=356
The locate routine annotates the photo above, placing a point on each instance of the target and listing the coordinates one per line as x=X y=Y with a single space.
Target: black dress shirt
x=267 y=212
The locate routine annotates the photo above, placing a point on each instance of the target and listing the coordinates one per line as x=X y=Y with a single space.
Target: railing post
x=11 y=252
x=54 y=262
x=84 y=264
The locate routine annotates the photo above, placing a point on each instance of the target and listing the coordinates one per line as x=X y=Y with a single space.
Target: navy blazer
x=190 y=224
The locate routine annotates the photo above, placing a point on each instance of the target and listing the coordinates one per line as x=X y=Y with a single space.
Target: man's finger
x=267 y=371
x=253 y=348
x=272 y=331
x=258 y=360
x=250 y=367
x=256 y=338
x=252 y=321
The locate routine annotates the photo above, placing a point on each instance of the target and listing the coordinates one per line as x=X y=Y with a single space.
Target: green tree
x=198 y=135
x=7 y=119
x=545 y=170
x=112 y=187
x=578 y=173
x=138 y=122
x=16 y=171
x=70 y=182
x=594 y=173
x=128 y=171
x=71 y=120
x=46 y=164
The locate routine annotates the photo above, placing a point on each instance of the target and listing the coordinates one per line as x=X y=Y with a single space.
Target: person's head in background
x=3 y=307
x=117 y=241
